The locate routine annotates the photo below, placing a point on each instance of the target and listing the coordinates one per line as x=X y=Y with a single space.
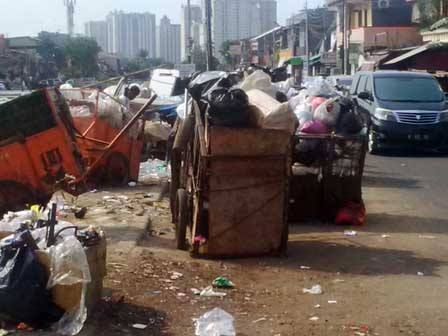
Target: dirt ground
x=371 y=283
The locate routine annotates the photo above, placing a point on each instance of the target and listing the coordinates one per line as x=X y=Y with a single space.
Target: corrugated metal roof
x=409 y=54
x=266 y=33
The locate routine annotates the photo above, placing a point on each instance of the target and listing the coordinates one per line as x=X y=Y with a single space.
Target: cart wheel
x=117 y=170
x=182 y=219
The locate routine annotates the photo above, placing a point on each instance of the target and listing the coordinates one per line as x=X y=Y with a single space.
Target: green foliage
x=142 y=63
x=225 y=52
x=430 y=11
x=83 y=55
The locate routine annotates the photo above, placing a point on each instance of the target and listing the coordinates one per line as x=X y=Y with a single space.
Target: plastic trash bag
x=204 y=82
x=284 y=86
x=299 y=99
x=261 y=81
x=303 y=113
x=314 y=127
x=216 y=322
x=271 y=114
x=69 y=266
x=23 y=293
x=228 y=107
x=320 y=88
x=352 y=214
x=328 y=112
x=154 y=171
x=12 y=220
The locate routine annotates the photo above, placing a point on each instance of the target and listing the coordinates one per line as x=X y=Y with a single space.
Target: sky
x=28 y=17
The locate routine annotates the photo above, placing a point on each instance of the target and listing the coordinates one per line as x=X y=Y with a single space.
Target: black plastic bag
x=23 y=293
x=201 y=84
x=228 y=107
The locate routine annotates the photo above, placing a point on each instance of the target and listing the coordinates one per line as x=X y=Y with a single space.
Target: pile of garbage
x=45 y=271
x=253 y=103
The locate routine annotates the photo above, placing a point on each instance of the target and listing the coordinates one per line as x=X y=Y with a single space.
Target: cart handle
x=108 y=148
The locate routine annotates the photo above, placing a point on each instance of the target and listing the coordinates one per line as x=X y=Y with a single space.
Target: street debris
x=132 y=184
x=350 y=233
x=216 y=322
x=305 y=268
x=209 y=292
x=140 y=326
x=222 y=282
x=427 y=237
x=385 y=236
x=262 y=319
x=420 y=273
x=314 y=318
x=332 y=302
x=315 y=290
x=176 y=275
x=317 y=306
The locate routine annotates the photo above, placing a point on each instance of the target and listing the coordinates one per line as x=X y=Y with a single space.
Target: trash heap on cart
x=250 y=154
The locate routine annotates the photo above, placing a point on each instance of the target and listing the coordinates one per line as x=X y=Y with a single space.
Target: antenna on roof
x=70 y=6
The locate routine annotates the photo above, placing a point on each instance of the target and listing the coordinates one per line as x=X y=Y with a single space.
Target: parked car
x=402 y=109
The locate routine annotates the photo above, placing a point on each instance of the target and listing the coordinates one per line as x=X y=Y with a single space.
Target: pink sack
x=314 y=127
x=316 y=102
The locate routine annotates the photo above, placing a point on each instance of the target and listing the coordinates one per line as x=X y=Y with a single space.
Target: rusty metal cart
x=328 y=181
x=230 y=190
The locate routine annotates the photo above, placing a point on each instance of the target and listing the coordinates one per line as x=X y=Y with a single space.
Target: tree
x=83 y=55
x=143 y=54
x=431 y=11
x=53 y=56
x=225 y=52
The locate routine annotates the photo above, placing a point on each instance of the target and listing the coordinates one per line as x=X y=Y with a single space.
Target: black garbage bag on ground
x=23 y=281
x=228 y=107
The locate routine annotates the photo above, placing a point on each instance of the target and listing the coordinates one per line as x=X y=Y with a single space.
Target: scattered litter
x=420 y=273
x=157 y=292
x=305 y=267
x=338 y=280
x=260 y=320
x=94 y=191
x=315 y=290
x=222 y=282
x=140 y=326
x=350 y=233
x=332 y=302
x=427 y=237
x=358 y=333
x=181 y=294
x=176 y=275
x=132 y=184
x=385 y=236
x=317 y=306
x=209 y=292
x=314 y=318
x=196 y=291
x=215 y=322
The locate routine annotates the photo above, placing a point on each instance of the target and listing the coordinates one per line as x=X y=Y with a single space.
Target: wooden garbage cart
x=230 y=190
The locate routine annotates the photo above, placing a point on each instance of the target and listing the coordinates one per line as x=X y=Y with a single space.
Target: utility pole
x=208 y=15
x=307 y=37
x=345 y=40
x=188 y=30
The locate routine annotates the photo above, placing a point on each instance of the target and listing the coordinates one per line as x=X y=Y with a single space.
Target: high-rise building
x=170 y=41
x=195 y=29
x=98 y=31
x=128 y=33
x=238 y=19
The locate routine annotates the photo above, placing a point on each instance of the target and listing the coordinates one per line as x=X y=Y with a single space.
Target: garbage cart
x=230 y=190
x=326 y=176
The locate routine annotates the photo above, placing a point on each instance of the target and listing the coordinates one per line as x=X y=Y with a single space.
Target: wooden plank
x=248 y=141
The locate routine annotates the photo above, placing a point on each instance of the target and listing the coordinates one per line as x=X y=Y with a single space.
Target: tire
x=373 y=144
x=117 y=170
x=183 y=219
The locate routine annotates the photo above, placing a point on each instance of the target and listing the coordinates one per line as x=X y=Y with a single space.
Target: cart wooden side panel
x=247 y=174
